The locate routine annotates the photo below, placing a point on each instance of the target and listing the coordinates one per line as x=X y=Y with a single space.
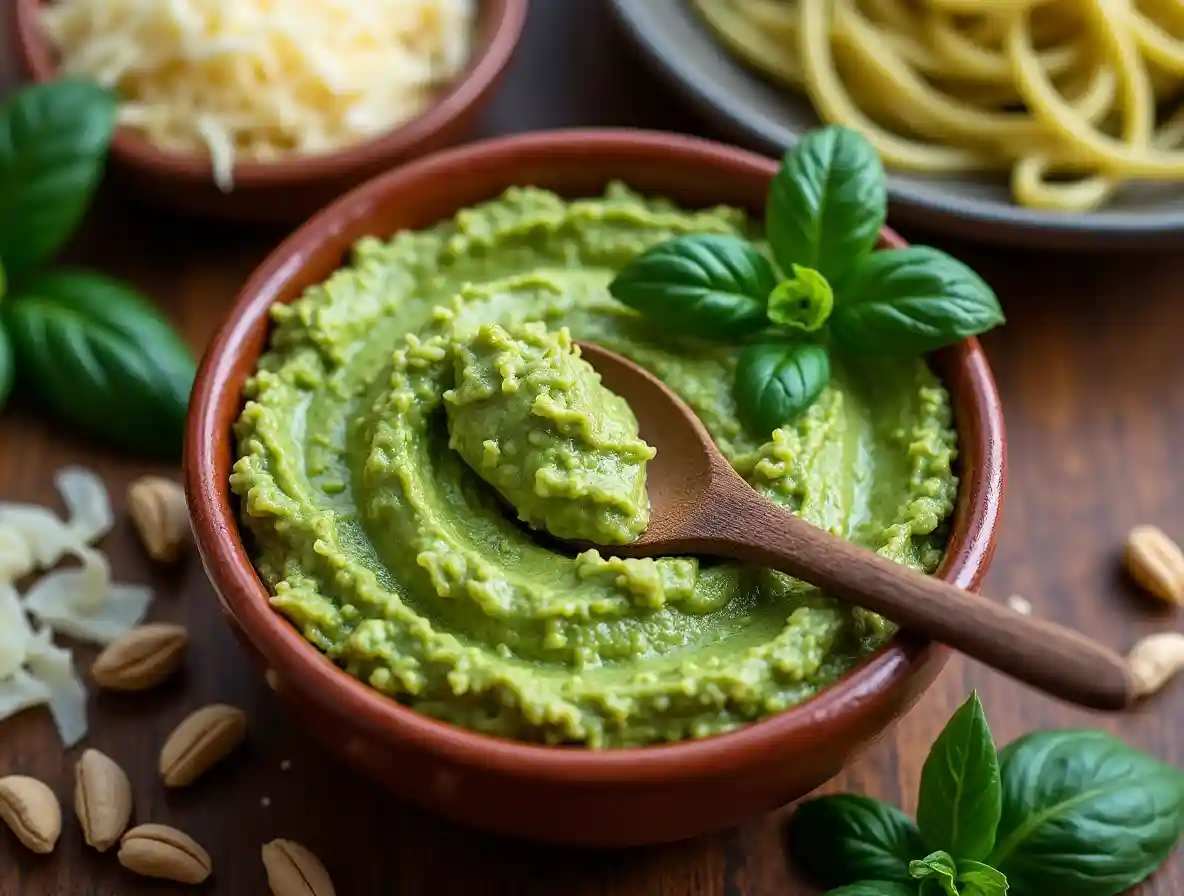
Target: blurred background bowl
x=291 y=189
x=752 y=110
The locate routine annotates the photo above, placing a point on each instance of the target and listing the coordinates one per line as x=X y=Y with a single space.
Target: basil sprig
x=823 y=289
x=1055 y=812
x=88 y=349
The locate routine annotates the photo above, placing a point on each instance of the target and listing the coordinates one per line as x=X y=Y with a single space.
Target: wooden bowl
x=561 y=794
x=292 y=189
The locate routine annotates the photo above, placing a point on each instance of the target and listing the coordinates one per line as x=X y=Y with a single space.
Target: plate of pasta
x=1033 y=122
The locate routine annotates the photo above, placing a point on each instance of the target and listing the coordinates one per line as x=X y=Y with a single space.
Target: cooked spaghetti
x=1071 y=98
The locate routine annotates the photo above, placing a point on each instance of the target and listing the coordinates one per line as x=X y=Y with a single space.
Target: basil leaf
x=937 y=867
x=776 y=381
x=1084 y=813
x=99 y=356
x=959 y=805
x=803 y=302
x=906 y=302
x=706 y=285
x=53 y=146
x=874 y=888
x=846 y=838
x=6 y=367
x=977 y=879
x=828 y=202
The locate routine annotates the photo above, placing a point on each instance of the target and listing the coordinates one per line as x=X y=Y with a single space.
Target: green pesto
x=384 y=539
x=531 y=417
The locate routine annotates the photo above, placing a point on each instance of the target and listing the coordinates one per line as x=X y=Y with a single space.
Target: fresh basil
x=1084 y=813
x=53 y=147
x=828 y=202
x=905 y=302
x=6 y=366
x=874 y=888
x=959 y=805
x=803 y=302
x=776 y=381
x=706 y=285
x=98 y=355
x=936 y=868
x=847 y=838
x=977 y=879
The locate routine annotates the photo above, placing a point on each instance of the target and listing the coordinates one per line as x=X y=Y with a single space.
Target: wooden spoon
x=702 y=506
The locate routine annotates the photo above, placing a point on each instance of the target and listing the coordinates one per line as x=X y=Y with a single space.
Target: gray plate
x=769 y=118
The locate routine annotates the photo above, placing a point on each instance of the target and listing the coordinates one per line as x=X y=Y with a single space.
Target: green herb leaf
x=827 y=203
x=53 y=146
x=706 y=285
x=875 y=888
x=939 y=867
x=803 y=302
x=847 y=838
x=99 y=356
x=6 y=366
x=904 y=302
x=1084 y=813
x=960 y=798
x=977 y=879
x=776 y=381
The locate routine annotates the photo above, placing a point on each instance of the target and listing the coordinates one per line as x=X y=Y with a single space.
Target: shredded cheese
x=264 y=79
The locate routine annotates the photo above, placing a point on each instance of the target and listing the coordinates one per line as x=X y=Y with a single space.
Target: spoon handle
x=1047 y=656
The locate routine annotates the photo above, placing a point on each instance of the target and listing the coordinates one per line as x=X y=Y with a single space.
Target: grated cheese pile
x=264 y=79
x=78 y=601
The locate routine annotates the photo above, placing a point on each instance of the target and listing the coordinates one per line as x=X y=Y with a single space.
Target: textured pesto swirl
x=390 y=553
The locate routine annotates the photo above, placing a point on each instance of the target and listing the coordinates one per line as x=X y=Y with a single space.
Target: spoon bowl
x=700 y=505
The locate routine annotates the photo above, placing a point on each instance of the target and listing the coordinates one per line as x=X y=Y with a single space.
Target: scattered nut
x=1020 y=604
x=1156 y=563
x=102 y=799
x=157 y=508
x=32 y=811
x=1154 y=660
x=204 y=738
x=156 y=850
x=142 y=658
x=292 y=870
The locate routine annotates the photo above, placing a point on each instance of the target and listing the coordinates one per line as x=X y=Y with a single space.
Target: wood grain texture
x=1092 y=379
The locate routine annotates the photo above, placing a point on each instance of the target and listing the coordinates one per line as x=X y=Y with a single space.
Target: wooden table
x=1092 y=376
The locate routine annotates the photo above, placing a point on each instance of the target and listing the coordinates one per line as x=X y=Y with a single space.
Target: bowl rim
x=308 y=672
x=501 y=23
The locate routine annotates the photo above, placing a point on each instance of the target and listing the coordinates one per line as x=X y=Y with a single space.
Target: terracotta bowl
x=293 y=189
x=560 y=794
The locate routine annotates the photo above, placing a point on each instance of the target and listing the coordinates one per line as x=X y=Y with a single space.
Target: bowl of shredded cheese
x=268 y=109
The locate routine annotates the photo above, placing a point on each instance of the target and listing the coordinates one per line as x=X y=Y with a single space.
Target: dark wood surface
x=1092 y=376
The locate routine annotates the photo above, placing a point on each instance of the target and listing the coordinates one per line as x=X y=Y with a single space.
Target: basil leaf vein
x=776 y=381
x=828 y=202
x=848 y=838
x=905 y=302
x=1084 y=813
x=53 y=147
x=706 y=285
x=961 y=796
x=99 y=355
